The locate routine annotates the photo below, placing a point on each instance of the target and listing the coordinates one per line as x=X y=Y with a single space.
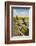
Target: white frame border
x=24 y=37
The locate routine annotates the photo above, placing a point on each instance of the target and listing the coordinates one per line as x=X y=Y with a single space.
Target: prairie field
x=20 y=26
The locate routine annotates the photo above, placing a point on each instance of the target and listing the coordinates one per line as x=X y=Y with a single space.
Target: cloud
x=21 y=13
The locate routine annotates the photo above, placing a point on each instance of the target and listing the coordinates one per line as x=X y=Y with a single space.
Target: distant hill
x=21 y=16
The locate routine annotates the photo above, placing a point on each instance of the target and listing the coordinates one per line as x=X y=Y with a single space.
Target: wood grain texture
x=7 y=22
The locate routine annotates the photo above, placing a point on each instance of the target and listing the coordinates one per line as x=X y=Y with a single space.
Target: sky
x=21 y=12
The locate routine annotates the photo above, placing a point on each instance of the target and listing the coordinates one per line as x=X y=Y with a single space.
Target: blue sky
x=21 y=12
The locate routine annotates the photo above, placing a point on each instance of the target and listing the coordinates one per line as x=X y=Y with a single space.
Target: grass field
x=20 y=26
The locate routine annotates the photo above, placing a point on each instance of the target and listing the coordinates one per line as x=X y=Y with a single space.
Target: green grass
x=15 y=28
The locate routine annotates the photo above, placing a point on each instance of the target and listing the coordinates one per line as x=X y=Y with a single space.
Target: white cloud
x=19 y=13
